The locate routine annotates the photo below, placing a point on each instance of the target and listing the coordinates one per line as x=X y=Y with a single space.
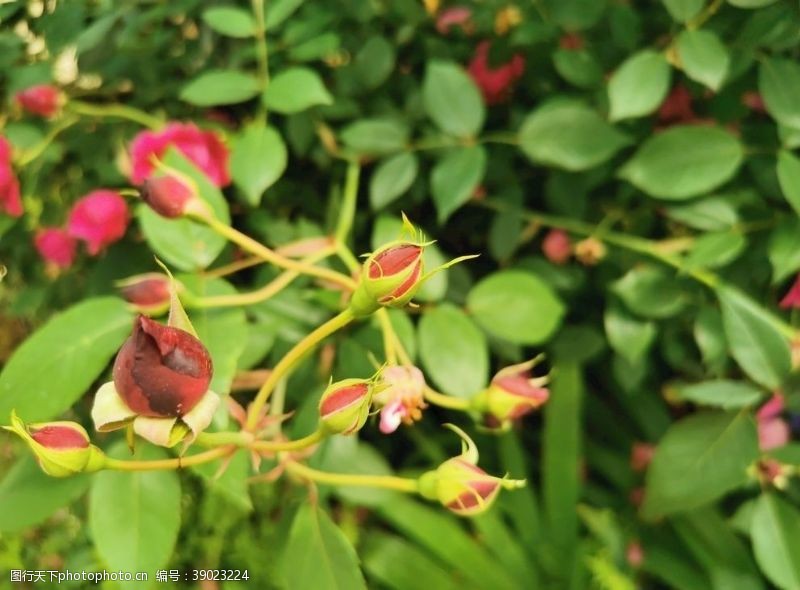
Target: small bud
x=43 y=100
x=344 y=405
x=61 y=448
x=557 y=246
x=641 y=456
x=590 y=251
x=391 y=276
x=167 y=195
x=512 y=394
x=147 y=291
x=161 y=371
x=55 y=246
x=634 y=554
x=460 y=485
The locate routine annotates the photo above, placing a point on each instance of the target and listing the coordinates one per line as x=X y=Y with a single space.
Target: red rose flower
x=495 y=82
x=99 y=219
x=42 y=99
x=203 y=148
x=56 y=246
x=10 y=201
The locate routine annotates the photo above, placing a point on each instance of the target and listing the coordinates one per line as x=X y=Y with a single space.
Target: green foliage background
x=673 y=338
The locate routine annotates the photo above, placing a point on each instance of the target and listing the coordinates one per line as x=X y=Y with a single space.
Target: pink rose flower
x=10 y=201
x=56 y=246
x=99 y=219
x=495 y=82
x=203 y=148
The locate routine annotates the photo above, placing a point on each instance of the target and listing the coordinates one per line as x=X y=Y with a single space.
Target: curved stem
x=262 y=294
x=348 y=210
x=388 y=482
x=387 y=331
x=118 y=111
x=29 y=155
x=290 y=359
x=249 y=244
x=289 y=445
x=229 y=269
x=446 y=401
x=168 y=464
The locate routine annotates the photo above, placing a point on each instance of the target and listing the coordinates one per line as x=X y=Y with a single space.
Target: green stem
x=29 y=155
x=219 y=439
x=388 y=482
x=250 y=245
x=262 y=50
x=446 y=401
x=290 y=359
x=168 y=464
x=118 y=111
x=290 y=445
x=348 y=210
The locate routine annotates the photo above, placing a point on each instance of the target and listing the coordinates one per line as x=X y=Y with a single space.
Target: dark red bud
x=147 y=291
x=167 y=195
x=161 y=371
x=557 y=246
x=341 y=398
x=59 y=437
x=394 y=260
x=42 y=100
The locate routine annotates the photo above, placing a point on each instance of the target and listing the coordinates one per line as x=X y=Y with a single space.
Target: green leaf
x=401 y=565
x=374 y=62
x=223 y=330
x=279 y=10
x=703 y=57
x=453 y=351
x=638 y=86
x=134 y=516
x=715 y=250
x=516 y=306
x=754 y=339
x=230 y=21
x=346 y=454
x=219 y=87
x=789 y=178
x=713 y=213
x=649 y=292
x=779 y=84
x=575 y=15
x=683 y=10
x=455 y=178
x=784 y=249
x=318 y=555
x=721 y=393
x=56 y=365
x=452 y=100
x=578 y=67
x=28 y=495
x=751 y=3
x=775 y=532
x=630 y=338
x=700 y=459
x=258 y=160
x=684 y=161
x=392 y=178
x=295 y=90
x=376 y=136
x=569 y=135
x=181 y=242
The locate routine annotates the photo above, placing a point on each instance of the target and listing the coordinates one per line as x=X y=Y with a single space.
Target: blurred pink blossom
x=99 y=219
x=56 y=246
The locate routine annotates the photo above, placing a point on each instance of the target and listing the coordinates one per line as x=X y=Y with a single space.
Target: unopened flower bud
x=557 y=246
x=161 y=371
x=61 y=448
x=460 y=485
x=147 y=291
x=391 y=277
x=43 y=100
x=634 y=554
x=168 y=195
x=344 y=406
x=512 y=394
x=641 y=455
x=590 y=251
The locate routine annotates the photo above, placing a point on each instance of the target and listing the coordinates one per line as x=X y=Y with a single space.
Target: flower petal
x=109 y=412
x=159 y=431
x=201 y=415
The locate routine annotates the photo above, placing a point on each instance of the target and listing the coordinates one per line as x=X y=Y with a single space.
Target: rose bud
x=512 y=394
x=61 y=448
x=590 y=251
x=344 y=405
x=460 y=485
x=557 y=246
x=99 y=219
x=390 y=277
x=55 y=246
x=161 y=379
x=43 y=100
x=641 y=455
x=402 y=399
x=149 y=291
x=168 y=195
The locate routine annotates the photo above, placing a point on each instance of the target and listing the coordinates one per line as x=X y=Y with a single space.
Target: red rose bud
x=571 y=42
x=495 y=81
x=641 y=455
x=391 y=277
x=43 y=100
x=344 y=406
x=149 y=291
x=460 y=485
x=557 y=246
x=61 y=448
x=161 y=371
x=677 y=106
x=512 y=394
x=792 y=298
x=167 y=195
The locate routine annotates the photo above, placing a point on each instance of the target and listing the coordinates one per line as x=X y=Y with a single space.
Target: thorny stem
x=389 y=482
x=290 y=359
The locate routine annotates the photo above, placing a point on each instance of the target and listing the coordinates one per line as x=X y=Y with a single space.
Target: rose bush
x=254 y=256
